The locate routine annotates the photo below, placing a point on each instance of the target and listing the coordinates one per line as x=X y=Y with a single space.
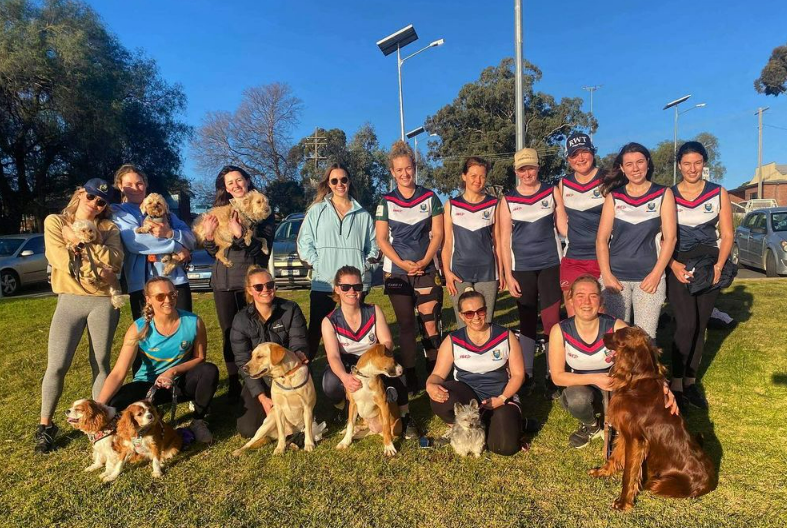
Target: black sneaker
x=682 y=402
x=528 y=386
x=694 y=397
x=411 y=380
x=551 y=391
x=391 y=394
x=409 y=428
x=582 y=436
x=45 y=438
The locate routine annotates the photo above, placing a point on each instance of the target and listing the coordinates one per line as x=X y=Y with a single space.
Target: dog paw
x=92 y=468
x=308 y=448
x=109 y=478
x=621 y=505
x=342 y=445
x=157 y=474
x=279 y=450
x=237 y=452
x=389 y=450
x=596 y=472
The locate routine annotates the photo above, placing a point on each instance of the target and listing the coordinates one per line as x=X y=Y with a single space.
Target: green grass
x=745 y=380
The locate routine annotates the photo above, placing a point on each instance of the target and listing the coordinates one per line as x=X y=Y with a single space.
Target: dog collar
x=104 y=433
x=355 y=372
x=304 y=382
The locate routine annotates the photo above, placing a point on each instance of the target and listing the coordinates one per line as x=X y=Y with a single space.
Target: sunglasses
x=337 y=181
x=348 y=287
x=99 y=201
x=161 y=296
x=270 y=286
x=470 y=314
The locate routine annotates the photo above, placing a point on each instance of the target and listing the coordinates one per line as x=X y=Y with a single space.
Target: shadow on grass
x=779 y=379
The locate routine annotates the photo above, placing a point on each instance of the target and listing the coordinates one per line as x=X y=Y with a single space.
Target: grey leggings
x=73 y=312
x=646 y=306
x=487 y=289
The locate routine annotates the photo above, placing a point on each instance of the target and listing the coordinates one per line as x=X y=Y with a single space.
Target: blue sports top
x=409 y=224
x=355 y=342
x=583 y=202
x=159 y=352
x=582 y=357
x=473 y=255
x=482 y=368
x=632 y=248
x=698 y=219
x=534 y=241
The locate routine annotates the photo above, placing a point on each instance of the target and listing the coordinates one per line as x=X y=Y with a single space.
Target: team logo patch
x=497 y=355
x=709 y=207
x=544 y=204
x=423 y=207
x=652 y=206
x=184 y=345
x=437 y=281
x=380 y=210
x=486 y=214
x=596 y=193
x=103 y=187
x=372 y=338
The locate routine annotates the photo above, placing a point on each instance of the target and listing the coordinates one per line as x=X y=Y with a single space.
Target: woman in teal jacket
x=336 y=232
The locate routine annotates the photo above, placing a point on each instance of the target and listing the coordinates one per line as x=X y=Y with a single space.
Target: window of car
x=288 y=230
x=9 y=245
x=779 y=221
x=761 y=222
x=36 y=245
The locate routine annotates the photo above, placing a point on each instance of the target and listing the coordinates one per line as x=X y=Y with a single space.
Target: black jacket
x=242 y=256
x=286 y=326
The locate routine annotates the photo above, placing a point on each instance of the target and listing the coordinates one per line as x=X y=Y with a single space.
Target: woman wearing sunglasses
x=488 y=368
x=172 y=345
x=336 y=232
x=265 y=319
x=80 y=302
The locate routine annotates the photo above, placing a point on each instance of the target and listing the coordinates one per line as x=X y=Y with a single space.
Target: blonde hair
x=398 y=150
x=147 y=310
x=587 y=277
x=253 y=270
x=128 y=169
x=69 y=211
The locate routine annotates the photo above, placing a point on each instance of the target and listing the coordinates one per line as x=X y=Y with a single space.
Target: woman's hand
x=437 y=392
x=501 y=281
x=493 y=402
x=165 y=379
x=161 y=231
x=603 y=382
x=69 y=236
x=679 y=270
x=302 y=357
x=267 y=403
x=450 y=282
x=717 y=273
x=513 y=287
x=669 y=401
x=235 y=228
x=209 y=225
x=611 y=283
x=184 y=254
x=351 y=383
x=650 y=283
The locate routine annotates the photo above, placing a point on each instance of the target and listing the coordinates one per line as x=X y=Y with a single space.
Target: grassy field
x=745 y=379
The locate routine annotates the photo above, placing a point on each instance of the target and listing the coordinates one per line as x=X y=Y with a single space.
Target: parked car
x=285 y=265
x=761 y=241
x=200 y=270
x=22 y=261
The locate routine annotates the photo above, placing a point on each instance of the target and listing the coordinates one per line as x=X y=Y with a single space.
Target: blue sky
x=644 y=56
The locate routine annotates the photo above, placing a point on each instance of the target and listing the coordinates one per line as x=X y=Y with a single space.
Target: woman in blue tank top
x=172 y=345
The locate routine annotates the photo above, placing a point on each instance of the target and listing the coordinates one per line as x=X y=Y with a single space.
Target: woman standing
x=704 y=228
x=530 y=217
x=336 y=232
x=636 y=213
x=409 y=226
x=80 y=302
x=229 y=283
x=470 y=252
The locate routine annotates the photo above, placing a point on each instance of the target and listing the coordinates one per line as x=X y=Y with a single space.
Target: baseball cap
x=578 y=141
x=100 y=188
x=526 y=156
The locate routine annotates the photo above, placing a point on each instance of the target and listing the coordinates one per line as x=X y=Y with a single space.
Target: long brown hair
x=124 y=169
x=323 y=187
x=222 y=196
x=342 y=272
x=615 y=177
x=147 y=311
x=69 y=211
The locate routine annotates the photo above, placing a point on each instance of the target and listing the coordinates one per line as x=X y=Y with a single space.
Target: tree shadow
x=779 y=378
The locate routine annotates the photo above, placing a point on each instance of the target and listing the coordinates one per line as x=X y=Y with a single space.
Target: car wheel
x=734 y=254
x=770 y=265
x=9 y=281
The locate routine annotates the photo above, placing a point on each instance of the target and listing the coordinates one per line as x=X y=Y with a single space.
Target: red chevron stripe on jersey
x=473 y=207
x=356 y=336
x=530 y=200
x=699 y=199
x=410 y=203
x=642 y=199
x=472 y=348
x=582 y=188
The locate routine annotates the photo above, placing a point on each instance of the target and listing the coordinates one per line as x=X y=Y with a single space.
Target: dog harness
x=108 y=431
x=351 y=342
x=534 y=241
x=483 y=368
x=583 y=203
x=632 y=248
x=473 y=255
x=586 y=358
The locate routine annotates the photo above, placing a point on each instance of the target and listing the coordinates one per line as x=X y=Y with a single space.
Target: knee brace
x=431 y=342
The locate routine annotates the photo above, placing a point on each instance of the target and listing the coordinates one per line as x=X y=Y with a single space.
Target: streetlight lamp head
x=439 y=42
x=701 y=105
x=411 y=134
x=676 y=102
x=397 y=40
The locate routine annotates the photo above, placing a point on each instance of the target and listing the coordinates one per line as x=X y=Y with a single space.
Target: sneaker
x=528 y=386
x=201 y=431
x=411 y=380
x=582 y=436
x=551 y=391
x=694 y=397
x=45 y=438
x=682 y=402
x=391 y=394
x=409 y=428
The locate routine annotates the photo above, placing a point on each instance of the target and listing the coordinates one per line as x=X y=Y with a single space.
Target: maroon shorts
x=571 y=269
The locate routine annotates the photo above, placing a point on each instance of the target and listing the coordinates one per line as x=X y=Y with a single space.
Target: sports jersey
x=355 y=342
x=473 y=255
x=534 y=241
x=632 y=249
x=582 y=357
x=583 y=203
x=482 y=368
x=160 y=353
x=698 y=218
x=409 y=223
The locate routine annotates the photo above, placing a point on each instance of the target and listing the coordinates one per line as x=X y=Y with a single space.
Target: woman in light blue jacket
x=336 y=232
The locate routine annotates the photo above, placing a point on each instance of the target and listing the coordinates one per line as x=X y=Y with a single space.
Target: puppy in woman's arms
x=156 y=212
x=87 y=233
x=98 y=423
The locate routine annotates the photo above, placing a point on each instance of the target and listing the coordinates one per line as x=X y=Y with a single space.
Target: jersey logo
x=709 y=207
x=486 y=214
x=652 y=206
x=496 y=355
x=596 y=193
x=372 y=338
x=184 y=345
x=544 y=204
x=423 y=207
x=380 y=210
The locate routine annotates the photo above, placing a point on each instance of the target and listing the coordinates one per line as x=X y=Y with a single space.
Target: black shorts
x=396 y=284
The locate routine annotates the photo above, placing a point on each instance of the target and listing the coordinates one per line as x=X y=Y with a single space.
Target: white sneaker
x=201 y=431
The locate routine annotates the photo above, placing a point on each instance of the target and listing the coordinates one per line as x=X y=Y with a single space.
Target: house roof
x=771 y=172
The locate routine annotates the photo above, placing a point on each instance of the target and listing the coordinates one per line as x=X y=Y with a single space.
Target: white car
x=22 y=261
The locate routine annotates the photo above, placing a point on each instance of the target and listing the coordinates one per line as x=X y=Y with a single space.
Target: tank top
x=632 y=249
x=587 y=358
x=159 y=352
x=534 y=241
x=583 y=203
x=698 y=219
x=482 y=368
x=355 y=343
x=473 y=255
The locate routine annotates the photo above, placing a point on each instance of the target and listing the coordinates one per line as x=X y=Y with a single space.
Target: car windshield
x=9 y=245
x=288 y=231
x=779 y=221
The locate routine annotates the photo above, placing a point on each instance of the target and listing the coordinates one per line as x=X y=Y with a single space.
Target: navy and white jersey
x=473 y=255
x=582 y=357
x=583 y=202
x=355 y=342
x=632 y=249
x=534 y=241
x=482 y=368
x=409 y=223
x=698 y=219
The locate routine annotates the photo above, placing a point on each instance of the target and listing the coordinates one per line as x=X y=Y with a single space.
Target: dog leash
x=152 y=392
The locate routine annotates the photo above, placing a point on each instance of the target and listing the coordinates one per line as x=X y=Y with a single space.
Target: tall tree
x=481 y=122
x=773 y=79
x=75 y=104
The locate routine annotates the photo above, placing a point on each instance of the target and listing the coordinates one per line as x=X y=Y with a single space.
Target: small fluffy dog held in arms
x=98 y=423
x=293 y=395
x=249 y=210
x=156 y=212
x=143 y=435
x=370 y=401
x=653 y=447
x=97 y=273
x=467 y=435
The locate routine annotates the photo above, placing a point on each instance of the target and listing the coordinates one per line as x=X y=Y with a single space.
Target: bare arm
x=434 y=244
x=516 y=368
x=445 y=360
x=669 y=237
x=126 y=357
x=448 y=251
x=383 y=332
x=334 y=359
x=557 y=366
x=561 y=217
x=602 y=244
x=726 y=232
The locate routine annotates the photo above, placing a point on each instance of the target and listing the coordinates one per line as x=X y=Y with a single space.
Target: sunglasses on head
x=337 y=181
x=270 y=286
x=470 y=314
x=99 y=201
x=161 y=296
x=348 y=287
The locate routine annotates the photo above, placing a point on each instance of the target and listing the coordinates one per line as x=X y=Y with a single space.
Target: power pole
x=592 y=89
x=316 y=143
x=520 y=96
x=759 y=112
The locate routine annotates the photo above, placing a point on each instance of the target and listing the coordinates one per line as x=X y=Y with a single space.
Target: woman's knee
x=505 y=431
x=332 y=387
x=577 y=398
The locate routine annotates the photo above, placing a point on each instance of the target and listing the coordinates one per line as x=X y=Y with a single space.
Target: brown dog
x=156 y=212
x=97 y=422
x=653 y=447
x=370 y=403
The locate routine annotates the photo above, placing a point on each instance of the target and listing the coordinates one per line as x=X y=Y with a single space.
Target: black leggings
x=333 y=388
x=540 y=288
x=137 y=302
x=504 y=423
x=228 y=303
x=402 y=291
x=197 y=385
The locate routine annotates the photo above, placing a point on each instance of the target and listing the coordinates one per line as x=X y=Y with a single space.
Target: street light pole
x=413 y=134
x=520 y=96
x=592 y=89
x=401 y=96
x=759 y=113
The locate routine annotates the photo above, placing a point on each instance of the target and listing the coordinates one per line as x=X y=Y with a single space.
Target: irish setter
x=653 y=447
